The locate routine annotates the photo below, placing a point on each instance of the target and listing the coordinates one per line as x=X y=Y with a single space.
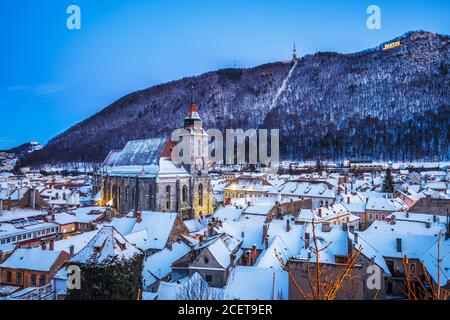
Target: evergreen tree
x=388 y=183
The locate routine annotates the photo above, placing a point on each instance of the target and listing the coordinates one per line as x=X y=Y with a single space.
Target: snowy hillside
x=376 y=104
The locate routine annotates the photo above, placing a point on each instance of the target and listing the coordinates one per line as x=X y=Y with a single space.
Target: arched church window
x=184 y=194
x=150 y=196
x=200 y=195
x=127 y=197
x=168 y=197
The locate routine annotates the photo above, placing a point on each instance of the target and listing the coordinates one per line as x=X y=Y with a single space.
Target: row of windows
x=19 y=279
x=383 y=216
x=168 y=191
x=27 y=236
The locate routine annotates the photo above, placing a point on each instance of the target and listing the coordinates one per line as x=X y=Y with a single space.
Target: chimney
x=52 y=245
x=307 y=237
x=345 y=226
x=407 y=214
x=399 y=245
x=288 y=225
x=254 y=254
x=43 y=245
x=346 y=190
x=210 y=229
x=248 y=258
x=355 y=237
x=1 y=207
x=53 y=217
x=233 y=260
x=138 y=216
x=428 y=224
x=72 y=250
x=320 y=212
x=351 y=228
x=265 y=231
x=348 y=199
x=266 y=242
x=326 y=227
x=434 y=218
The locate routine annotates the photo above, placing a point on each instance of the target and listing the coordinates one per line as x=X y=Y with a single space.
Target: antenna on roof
x=193 y=93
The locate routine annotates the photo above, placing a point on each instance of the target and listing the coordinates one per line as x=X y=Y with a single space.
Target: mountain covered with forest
x=375 y=105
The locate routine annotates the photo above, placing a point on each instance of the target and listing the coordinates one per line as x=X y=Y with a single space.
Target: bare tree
x=323 y=285
x=422 y=287
x=198 y=289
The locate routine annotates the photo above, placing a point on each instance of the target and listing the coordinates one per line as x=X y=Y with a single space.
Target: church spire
x=193 y=119
x=192 y=104
x=294 y=54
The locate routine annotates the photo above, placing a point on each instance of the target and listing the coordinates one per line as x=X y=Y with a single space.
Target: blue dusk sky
x=52 y=77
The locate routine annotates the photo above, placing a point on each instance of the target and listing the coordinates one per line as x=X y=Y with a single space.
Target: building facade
x=144 y=177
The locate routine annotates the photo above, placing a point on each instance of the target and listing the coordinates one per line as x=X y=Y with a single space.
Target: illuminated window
x=184 y=194
x=200 y=195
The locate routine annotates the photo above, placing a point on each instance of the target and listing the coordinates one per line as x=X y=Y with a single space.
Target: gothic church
x=143 y=177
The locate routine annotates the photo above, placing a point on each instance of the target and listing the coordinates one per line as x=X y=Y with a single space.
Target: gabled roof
x=112 y=157
x=158 y=226
x=31 y=259
x=141 y=152
x=257 y=283
x=107 y=245
x=440 y=272
x=222 y=248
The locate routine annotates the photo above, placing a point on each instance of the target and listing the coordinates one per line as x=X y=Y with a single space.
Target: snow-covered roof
x=249 y=228
x=141 y=152
x=31 y=259
x=196 y=225
x=167 y=168
x=227 y=213
x=257 y=283
x=222 y=248
x=16 y=214
x=249 y=184
x=304 y=189
x=159 y=265
x=107 y=245
x=413 y=246
x=139 y=239
x=173 y=290
x=112 y=158
x=384 y=204
x=158 y=226
x=440 y=272
x=79 y=242
x=355 y=207
x=259 y=208
x=124 y=225
x=331 y=244
x=268 y=259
